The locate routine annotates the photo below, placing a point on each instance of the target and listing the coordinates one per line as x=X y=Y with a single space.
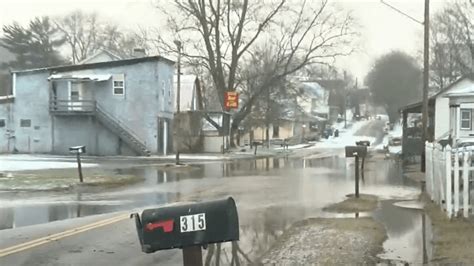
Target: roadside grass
x=63 y=179
x=365 y=203
x=452 y=238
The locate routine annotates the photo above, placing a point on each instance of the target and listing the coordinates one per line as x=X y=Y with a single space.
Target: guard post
x=189 y=227
x=356 y=152
x=78 y=150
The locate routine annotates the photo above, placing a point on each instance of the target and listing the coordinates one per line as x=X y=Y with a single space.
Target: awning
x=83 y=77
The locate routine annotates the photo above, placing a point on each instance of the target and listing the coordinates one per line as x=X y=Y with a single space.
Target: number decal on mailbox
x=191 y=223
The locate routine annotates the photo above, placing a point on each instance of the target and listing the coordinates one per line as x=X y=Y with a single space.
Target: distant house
x=113 y=107
x=99 y=57
x=450 y=116
x=188 y=94
x=454 y=109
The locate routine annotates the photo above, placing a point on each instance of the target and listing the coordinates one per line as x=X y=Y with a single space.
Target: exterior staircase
x=122 y=131
x=67 y=107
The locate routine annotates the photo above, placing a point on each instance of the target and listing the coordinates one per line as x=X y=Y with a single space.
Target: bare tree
x=82 y=34
x=452 y=42
x=223 y=34
x=86 y=34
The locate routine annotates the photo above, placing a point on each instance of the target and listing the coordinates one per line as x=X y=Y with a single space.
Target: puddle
x=408 y=231
x=271 y=194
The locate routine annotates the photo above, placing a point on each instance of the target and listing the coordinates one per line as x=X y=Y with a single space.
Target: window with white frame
x=118 y=84
x=466 y=119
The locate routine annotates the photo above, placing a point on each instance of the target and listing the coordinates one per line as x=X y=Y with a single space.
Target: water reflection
x=271 y=193
x=406 y=230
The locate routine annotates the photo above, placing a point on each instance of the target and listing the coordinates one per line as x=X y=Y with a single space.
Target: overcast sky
x=382 y=29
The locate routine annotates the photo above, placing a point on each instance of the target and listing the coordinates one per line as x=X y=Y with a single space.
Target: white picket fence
x=448 y=175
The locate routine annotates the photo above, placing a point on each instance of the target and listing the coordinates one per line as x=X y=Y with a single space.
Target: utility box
x=353 y=151
x=187 y=225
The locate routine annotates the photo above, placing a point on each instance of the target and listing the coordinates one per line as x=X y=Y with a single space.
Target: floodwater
x=271 y=194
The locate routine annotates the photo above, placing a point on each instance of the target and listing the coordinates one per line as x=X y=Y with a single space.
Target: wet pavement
x=271 y=194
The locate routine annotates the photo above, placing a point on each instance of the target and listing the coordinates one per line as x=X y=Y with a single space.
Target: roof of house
x=98 y=65
x=313 y=89
x=417 y=106
x=450 y=86
x=93 y=58
x=461 y=89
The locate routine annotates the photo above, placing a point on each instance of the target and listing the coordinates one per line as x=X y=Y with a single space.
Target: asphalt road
x=268 y=202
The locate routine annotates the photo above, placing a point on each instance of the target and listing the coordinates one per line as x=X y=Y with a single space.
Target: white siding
x=441 y=116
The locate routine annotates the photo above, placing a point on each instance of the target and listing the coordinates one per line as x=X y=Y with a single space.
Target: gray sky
x=382 y=29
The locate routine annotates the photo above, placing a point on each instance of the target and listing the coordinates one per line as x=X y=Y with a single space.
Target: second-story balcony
x=72 y=107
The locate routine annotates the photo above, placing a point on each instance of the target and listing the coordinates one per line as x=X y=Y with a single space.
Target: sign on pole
x=231 y=100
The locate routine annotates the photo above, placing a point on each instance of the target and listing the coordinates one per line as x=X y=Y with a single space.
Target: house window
x=119 y=84
x=25 y=122
x=2 y=122
x=466 y=121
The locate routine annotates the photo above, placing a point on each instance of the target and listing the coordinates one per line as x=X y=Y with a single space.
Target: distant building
x=188 y=94
x=113 y=107
x=99 y=57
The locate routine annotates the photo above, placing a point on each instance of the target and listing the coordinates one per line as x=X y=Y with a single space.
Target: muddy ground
x=452 y=239
x=333 y=241
x=365 y=203
x=64 y=179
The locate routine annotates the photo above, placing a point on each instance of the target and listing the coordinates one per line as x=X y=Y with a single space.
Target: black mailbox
x=352 y=151
x=77 y=149
x=363 y=143
x=188 y=225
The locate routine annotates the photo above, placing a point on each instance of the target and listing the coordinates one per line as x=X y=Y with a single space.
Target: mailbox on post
x=78 y=150
x=356 y=152
x=353 y=151
x=187 y=225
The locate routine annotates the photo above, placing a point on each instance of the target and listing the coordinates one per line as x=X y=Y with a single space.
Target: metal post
x=178 y=92
x=357 y=176
x=192 y=256
x=79 y=168
x=426 y=62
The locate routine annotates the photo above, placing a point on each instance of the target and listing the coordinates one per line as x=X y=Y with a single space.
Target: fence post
x=456 y=182
x=440 y=173
x=432 y=152
x=449 y=197
x=428 y=169
x=465 y=186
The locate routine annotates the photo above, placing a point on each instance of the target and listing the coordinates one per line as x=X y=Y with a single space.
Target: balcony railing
x=72 y=106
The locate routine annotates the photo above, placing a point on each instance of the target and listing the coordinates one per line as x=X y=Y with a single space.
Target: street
x=271 y=194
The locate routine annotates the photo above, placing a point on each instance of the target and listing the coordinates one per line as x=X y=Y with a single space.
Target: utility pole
x=426 y=72
x=426 y=62
x=178 y=91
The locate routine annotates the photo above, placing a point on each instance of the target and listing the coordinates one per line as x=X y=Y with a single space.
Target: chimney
x=139 y=52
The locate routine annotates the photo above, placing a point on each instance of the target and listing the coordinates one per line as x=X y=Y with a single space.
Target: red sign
x=231 y=99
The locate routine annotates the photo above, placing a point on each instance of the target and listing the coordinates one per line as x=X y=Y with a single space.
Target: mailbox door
x=190 y=225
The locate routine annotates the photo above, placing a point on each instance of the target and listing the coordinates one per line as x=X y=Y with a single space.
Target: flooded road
x=271 y=194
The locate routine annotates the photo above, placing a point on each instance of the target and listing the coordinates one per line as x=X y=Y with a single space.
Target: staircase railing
x=118 y=127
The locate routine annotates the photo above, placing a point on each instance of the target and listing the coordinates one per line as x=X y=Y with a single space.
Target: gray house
x=122 y=107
